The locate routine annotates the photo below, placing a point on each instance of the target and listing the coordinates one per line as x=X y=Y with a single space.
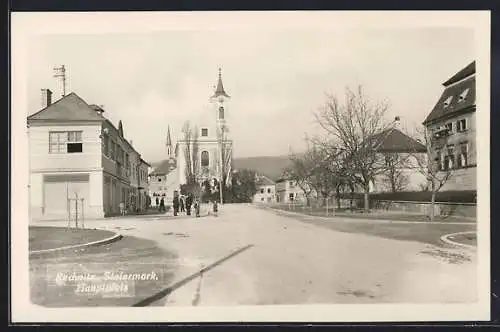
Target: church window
x=204 y=132
x=221 y=113
x=204 y=158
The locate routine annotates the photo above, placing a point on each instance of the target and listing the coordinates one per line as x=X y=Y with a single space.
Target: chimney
x=46 y=98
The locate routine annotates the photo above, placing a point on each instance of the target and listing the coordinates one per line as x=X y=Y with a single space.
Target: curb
x=381 y=221
x=111 y=239
x=445 y=239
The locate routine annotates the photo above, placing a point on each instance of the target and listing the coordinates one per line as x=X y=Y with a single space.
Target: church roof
x=219 y=90
x=165 y=167
x=69 y=108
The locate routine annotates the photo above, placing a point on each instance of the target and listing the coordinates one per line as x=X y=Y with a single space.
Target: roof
x=165 y=167
x=145 y=162
x=263 y=180
x=69 y=108
x=465 y=72
x=456 y=104
x=219 y=91
x=394 y=141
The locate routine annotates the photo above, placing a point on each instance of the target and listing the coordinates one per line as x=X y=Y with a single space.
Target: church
x=203 y=152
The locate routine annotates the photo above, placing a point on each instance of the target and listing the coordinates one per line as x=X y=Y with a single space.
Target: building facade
x=266 y=190
x=451 y=126
x=80 y=161
x=207 y=151
x=288 y=191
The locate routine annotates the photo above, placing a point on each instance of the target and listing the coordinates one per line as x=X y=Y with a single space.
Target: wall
x=44 y=163
x=265 y=197
x=410 y=169
x=462 y=178
x=41 y=160
x=445 y=209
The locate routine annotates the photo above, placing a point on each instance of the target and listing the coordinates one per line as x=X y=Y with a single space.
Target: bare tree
x=191 y=153
x=351 y=127
x=394 y=174
x=435 y=164
x=224 y=160
x=301 y=170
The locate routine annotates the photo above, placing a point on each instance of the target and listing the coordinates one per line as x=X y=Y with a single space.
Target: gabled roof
x=263 y=180
x=165 y=167
x=453 y=99
x=69 y=108
x=219 y=91
x=394 y=141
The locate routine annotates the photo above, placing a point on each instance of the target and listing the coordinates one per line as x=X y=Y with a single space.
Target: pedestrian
x=122 y=208
x=182 y=203
x=197 y=207
x=216 y=209
x=157 y=202
x=175 y=203
x=189 y=202
x=162 y=205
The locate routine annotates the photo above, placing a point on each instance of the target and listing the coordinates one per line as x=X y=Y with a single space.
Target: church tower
x=220 y=97
x=168 y=144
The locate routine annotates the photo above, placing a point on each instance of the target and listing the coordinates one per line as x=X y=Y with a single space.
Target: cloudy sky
x=276 y=78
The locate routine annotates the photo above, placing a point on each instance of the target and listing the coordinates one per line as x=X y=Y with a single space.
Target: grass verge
x=419 y=232
x=42 y=238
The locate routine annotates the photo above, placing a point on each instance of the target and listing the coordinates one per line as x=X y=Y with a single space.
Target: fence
x=76 y=211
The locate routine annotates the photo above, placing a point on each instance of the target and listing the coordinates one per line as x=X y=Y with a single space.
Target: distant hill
x=270 y=166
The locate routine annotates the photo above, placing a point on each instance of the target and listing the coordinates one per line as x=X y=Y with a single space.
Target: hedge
x=468 y=196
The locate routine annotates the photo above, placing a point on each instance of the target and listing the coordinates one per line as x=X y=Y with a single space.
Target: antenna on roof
x=61 y=72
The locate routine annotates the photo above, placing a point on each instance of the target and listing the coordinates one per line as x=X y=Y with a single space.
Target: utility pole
x=60 y=72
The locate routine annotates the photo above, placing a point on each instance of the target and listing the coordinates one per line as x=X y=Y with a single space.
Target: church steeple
x=219 y=90
x=168 y=143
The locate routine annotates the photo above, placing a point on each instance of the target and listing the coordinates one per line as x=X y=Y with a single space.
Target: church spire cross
x=219 y=90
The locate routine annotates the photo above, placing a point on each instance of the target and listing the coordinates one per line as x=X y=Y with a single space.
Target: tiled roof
x=69 y=108
x=394 y=141
x=165 y=167
x=459 y=101
x=263 y=180
x=465 y=72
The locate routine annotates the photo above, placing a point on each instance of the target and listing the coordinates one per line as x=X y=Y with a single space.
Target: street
x=292 y=262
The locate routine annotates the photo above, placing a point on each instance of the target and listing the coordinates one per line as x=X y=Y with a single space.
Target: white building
x=207 y=150
x=76 y=154
x=266 y=190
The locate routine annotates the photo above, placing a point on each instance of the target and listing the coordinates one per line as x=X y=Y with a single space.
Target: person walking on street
x=162 y=205
x=157 y=202
x=216 y=208
x=182 y=203
x=189 y=202
x=197 y=208
x=175 y=204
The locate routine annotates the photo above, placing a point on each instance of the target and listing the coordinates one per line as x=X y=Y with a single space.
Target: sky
x=276 y=78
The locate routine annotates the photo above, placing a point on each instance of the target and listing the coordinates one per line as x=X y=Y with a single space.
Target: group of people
x=161 y=204
x=183 y=203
